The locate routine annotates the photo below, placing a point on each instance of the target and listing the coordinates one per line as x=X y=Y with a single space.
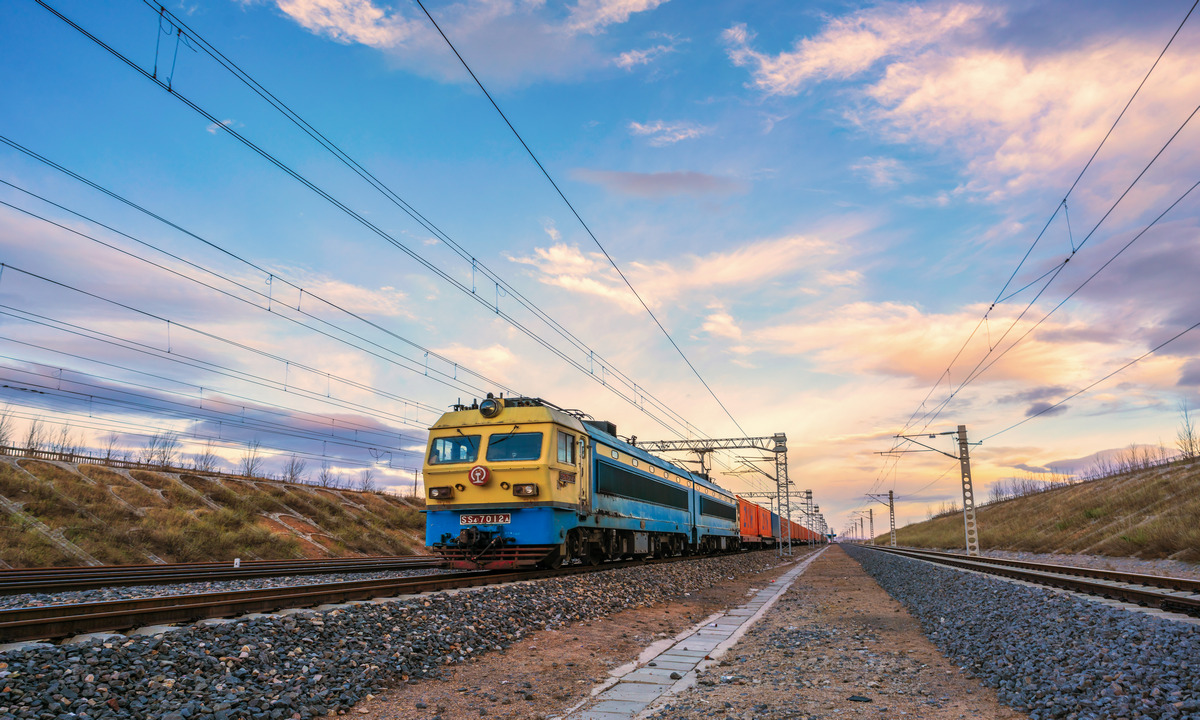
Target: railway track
x=53 y=580
x=1171 y=594
x=58 y=621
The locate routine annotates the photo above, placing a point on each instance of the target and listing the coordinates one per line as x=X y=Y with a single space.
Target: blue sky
x=819 y=201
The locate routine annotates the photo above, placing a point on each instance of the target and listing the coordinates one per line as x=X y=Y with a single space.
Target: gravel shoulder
x=551 y=670
x=835 y=636
x=1051 y=654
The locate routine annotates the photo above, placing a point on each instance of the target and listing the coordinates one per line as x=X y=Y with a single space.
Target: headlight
x=441 y=493
x=491 y=407
x=526 y=490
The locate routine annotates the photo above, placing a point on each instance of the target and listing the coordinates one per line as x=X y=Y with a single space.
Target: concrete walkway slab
x=634 y=690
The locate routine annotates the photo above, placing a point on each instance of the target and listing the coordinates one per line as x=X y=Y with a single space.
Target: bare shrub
x=326 y=477
x=296 y=470
x=35 y=436
x=7 y=429
x=366 y=480
x=251 y=462
x=112 y=446
x=207 y=459
x=1187 y=439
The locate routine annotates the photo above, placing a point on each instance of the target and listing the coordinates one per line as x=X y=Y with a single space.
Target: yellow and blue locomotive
x=519 y=482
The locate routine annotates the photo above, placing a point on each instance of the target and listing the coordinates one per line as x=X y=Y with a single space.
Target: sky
x=843 y=221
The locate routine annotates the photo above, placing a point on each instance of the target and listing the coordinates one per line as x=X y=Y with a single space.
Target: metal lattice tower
x=776 y=444
x=968 y=492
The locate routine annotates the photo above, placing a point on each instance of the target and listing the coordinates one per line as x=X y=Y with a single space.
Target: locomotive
x=520 y=482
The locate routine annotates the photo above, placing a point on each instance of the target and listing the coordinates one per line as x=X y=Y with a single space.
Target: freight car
x=519 y=482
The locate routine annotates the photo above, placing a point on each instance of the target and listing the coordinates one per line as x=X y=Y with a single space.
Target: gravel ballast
x=304 y=665
x=132 y=592
x=1047 y=653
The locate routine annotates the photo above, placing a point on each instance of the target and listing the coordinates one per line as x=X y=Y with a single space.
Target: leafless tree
x=325 y=478
x=207 y=459
x=1187 y=439
x=251 y=463
x=35 y=438
x=295 y=470
x=64 y=441
x=7 y=431
x=112 y=449
x=366 y=480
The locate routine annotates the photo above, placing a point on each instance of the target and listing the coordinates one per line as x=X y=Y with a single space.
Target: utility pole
x=970 y=529
x=871 y=517
x=891 y=504
x=964 y=457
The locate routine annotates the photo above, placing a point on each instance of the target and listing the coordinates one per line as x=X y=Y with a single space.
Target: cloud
x=1044 y=409
x=660 y=184
x=633 y=58
x=350 y=21
x=510 y=42
x=851 y=45
x=743 y=268
x=883 y=171
x=592 y=16
x=214 y=127
x=663 y=133
x=721 y=324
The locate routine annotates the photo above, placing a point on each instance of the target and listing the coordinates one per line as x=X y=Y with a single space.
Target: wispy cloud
x=744 y=268
x=350 y=21
x=883 y=171
x=214 y=127
x=635 y=58
x=661 y=132
x=660 y=184
x=511 y=41
x=851 y=45
x=592 y=16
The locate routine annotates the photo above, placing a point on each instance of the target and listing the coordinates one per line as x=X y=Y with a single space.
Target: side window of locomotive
x=566 y=448
x=457 y=449
x=515 y=446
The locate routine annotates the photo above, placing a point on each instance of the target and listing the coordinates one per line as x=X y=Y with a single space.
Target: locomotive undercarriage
x=473 y=549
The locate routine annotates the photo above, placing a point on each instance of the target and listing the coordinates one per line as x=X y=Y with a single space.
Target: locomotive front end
x=503 y=484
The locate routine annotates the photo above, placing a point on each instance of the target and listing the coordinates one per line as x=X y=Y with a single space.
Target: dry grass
x=1148 y=513
x=182 y=525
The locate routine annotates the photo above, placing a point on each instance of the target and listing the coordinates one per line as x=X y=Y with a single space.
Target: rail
x=54 y=579
x=1172 y=594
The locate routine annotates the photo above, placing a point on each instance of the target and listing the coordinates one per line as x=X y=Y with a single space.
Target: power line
x=413 y=213
x=1077 y=393
x=446 y=378
x=931 y=415
x=578 y=217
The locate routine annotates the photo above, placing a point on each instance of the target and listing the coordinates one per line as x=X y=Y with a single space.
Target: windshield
x=515 y=446
x=461 y=448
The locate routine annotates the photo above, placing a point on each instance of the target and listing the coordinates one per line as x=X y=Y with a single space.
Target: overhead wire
x=578 y=217
x=374 y=228
x=930 y=416
x=412 y=212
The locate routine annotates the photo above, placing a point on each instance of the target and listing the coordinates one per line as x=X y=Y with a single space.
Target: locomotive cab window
x=457 y=449
x=566 y=448
x=515 y=446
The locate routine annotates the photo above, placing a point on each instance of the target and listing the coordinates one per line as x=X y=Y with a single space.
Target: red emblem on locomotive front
x=479 y=475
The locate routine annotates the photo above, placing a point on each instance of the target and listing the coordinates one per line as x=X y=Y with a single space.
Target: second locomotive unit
x=519 y=482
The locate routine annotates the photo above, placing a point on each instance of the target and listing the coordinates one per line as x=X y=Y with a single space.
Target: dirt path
x=835 y=634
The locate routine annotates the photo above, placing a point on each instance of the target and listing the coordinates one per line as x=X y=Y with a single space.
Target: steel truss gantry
x=775 y=444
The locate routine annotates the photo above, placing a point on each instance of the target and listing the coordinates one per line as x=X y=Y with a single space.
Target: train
x=519 y=482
